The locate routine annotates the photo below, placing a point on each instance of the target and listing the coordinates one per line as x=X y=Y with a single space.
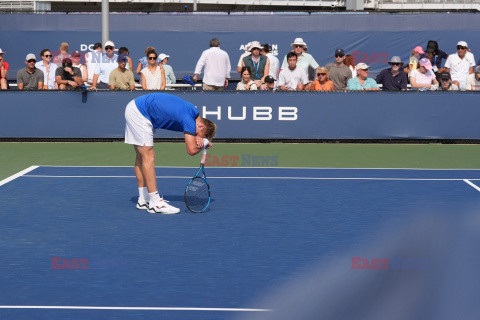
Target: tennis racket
x=197 y=192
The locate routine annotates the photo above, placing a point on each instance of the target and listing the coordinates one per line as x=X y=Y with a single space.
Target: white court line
x=472 y=184
x=265 y=178
x=17 y=175
x=135 y=308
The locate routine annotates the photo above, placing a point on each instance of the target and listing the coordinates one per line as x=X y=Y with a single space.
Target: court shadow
x=167 y=197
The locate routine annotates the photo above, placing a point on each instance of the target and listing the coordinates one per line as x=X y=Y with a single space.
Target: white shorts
x=138 y=129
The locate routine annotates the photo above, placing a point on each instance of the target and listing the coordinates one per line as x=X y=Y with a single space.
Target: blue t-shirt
x=168 y=112
x=354 y=84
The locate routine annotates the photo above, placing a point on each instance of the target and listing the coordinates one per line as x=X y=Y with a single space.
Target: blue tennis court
x=263 y=227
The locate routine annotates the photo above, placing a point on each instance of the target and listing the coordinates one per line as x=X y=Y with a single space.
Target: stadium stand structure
x=239 y=5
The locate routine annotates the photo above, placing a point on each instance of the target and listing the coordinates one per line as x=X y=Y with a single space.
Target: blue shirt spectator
x=361 y=81
x=393 y=79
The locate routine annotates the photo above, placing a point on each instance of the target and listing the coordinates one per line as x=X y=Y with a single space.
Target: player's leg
x=143 y=198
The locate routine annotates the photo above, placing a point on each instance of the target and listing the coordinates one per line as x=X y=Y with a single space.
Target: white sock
x=154 y=197
x=143 y=193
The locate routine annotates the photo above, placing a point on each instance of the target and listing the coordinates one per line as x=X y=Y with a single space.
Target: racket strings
x=197 y=195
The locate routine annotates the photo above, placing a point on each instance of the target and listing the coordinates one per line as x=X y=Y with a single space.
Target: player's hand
x=199 y=141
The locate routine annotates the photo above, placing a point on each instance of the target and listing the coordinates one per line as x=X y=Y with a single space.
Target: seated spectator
x=269 y=84
x=127 y=53
x=67 y=76
x=169 y=75
x=153 y=76
x=91 y=59
x=3 y=71
x=446 y=82
x=393 y=79
x=48 y=69
x=143 y=61
x=473 y=80
x=460 y=65
x=121 y=78
x=323 y=83
x=108 y=63
x=417 y=54
x=350 y=64
x=30 y=77
x=58 y=58
x=423 y=77
x=339 y=72
x=274 y=63
x=293 y=77
x=258 y=64
x=361 y=81
x=76 y=63
x=247 y=83
x=243 y=55
x=305 y=60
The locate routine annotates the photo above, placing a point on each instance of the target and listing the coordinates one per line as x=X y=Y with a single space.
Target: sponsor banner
x=255 y=115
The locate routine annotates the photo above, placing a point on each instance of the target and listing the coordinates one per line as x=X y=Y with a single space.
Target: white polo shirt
x=459 y=68
x=291 y=78
x=106 y=66
x=216 y=65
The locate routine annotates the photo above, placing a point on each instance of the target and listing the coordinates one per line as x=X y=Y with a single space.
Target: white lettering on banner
x=242 y=117
x=218 y=112
x=287 y=113
x=262 y=113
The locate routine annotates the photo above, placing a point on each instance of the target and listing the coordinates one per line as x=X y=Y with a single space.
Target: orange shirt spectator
x=322 y=83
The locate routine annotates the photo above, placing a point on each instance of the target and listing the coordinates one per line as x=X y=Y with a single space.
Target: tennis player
x=143 y=116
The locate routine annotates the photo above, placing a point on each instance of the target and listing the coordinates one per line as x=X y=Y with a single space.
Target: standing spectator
x=58 y=58
x=460 y=65
x=323 y=83
x=103 y=69
x=91 y=59
x=3 y=71
x=121 y=78
x=393 y=79
x=350 y=64
x=127 y=53
x=67 y=76
x=304 y=59
x=243 y=55
x=361 y=81
x=30 y=77
x=76 y=63
x=258 y=64
x=446 y=82
x=269 y=84
x=435 y=55
x=274 y=63
x=247 y=83
x=293 y=77
x=48 y=69
x=339 y=72
x=217 y=67
x=423 y=77
x=153 y=76
x=169 y=75
x=143 y=61
x=473 y=80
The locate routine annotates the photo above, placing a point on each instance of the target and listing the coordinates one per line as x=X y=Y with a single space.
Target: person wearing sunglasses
x=393 y=79
x=153 y=76
x=48 y=69
x=339 y=72
x=103 y=69
x=305 y=60
x=3 y=71
x=30 y=77
x=323 y=83
x=460 y=65
x=362 y=81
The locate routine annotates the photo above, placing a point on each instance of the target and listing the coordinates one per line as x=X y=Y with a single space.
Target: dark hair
x=97 y=45
x=123 y=50
x=266 y=47
x=246 y=68
x=214 y=42
x=291 y=54
x=43 y=52
x=152 y=52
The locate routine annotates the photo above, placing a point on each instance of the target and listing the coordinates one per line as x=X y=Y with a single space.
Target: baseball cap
x=122 y=58
x=444 y=76
x=109 y=43
x=340 y=52
x=163 y=56
x=424 y=62
x=362 y=66
x=67 y=62
x=30 y=56
x=1 y=51
x=462 y=43
x=269 y=79
x=419 y=50
x=76 y=54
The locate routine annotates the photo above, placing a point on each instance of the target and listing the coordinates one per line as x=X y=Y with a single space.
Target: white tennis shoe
x=162 y=207
x=142 y=204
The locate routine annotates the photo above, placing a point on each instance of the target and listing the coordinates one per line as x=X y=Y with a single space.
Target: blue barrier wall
x=371 y=38
x=380 y=115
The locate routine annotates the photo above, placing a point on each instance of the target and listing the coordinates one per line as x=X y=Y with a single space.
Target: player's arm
x=194 y=144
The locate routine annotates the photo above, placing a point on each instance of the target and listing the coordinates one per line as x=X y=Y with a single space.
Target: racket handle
x=204 y=156
x=205 y=142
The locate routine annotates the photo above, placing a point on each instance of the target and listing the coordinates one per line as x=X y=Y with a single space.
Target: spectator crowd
x=258 y=68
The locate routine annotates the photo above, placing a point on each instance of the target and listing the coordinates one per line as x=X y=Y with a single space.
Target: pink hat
x=419 y=50
x=424 y=62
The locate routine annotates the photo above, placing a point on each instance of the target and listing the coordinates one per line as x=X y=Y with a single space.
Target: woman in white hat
x=304 y=60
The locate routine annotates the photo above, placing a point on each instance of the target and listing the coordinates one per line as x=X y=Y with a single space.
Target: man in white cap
x=30 y=78
x=304 y=60
x=246 y=53
x=259 y=64
x=460 y=65
x=361 y=81
x=103 y=69
x=169 y=75
x=473 y=80
x=3 y=71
